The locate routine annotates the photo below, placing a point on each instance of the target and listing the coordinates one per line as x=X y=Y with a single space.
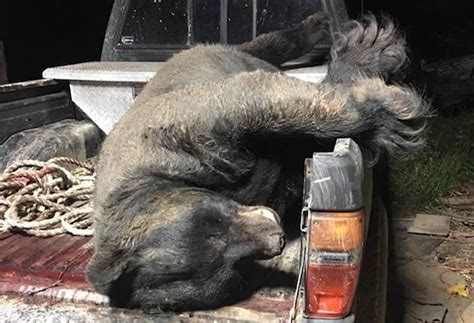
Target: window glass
x=279 y=14
x=206 y=21
x=239 y=21
x=180 y=23
x=162 y=22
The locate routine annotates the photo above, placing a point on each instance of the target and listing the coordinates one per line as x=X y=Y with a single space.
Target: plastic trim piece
x=348 y=319
x=333 y=181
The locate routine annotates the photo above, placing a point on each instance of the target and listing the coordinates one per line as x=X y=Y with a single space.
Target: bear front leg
x=283 y=45
x=213 y=121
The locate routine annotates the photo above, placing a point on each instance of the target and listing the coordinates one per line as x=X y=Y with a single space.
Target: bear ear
x=106 y=267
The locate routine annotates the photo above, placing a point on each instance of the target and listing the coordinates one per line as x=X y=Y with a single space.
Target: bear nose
x=282 y=242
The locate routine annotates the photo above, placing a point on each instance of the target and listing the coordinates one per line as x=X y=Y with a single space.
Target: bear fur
x=204 y=172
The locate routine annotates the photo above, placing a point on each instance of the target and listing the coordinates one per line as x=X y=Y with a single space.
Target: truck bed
x=39 y=272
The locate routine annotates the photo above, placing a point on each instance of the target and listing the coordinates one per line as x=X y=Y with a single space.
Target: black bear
x=193 y=180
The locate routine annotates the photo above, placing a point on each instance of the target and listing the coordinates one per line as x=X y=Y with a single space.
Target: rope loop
x=47 y=198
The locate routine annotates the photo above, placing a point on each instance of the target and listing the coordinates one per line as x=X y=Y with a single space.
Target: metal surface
x=50 y=272
x=133 y=72
x=46 y=267
x=32 y=104
x=104 y=90
x=104 y=103
x=68 y=138
x=29 y=89
x=334 y=180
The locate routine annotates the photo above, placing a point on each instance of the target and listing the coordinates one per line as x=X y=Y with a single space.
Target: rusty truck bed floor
x=50 y=272
x=51 y=267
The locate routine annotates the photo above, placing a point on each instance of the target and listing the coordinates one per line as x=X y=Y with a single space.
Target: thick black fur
x=367 y=49
x=283 y=45
x=187 y=178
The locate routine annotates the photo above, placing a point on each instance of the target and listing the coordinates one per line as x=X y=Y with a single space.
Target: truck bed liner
x=37 y=270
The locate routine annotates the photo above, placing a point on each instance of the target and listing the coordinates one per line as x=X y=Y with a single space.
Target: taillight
x=333 y=258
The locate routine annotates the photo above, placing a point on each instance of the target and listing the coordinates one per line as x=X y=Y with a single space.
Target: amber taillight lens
x=335 y=244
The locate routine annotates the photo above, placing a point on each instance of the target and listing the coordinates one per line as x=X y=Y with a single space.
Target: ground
x=426 y=270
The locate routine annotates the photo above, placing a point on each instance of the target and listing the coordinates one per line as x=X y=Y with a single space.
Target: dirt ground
x=427 y=270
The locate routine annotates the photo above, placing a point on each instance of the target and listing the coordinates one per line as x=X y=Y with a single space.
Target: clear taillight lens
x=335 y=244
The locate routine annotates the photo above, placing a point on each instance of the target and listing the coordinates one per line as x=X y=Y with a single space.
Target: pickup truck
x=344 y=237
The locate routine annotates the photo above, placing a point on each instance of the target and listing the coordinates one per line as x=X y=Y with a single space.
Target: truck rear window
x=181 y=23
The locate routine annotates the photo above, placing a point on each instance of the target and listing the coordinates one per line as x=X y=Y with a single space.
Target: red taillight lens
x=335 y=242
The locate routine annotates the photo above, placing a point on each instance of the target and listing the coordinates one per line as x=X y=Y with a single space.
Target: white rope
x=42 y=198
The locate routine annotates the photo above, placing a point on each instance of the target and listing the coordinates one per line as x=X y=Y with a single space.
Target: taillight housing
x=333 y=258
x=333 y=230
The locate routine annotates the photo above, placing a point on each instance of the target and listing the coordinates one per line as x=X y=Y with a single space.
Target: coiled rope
x=47 y=198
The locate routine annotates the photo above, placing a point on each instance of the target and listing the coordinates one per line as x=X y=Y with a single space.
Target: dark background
x=40 y=34
x=435 y=29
